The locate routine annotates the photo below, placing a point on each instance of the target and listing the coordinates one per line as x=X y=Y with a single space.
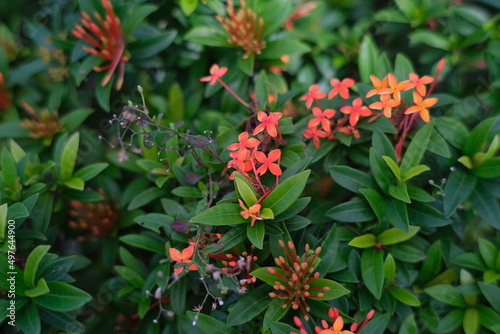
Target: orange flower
x=241 y=160
x=395 y=87
x=356 y=110
x=421 y=106
x=268 y=162
x=338 y=324
x=419 y=83
x=386 y=103
x=314 y=133
x=380 y=86
x=183 y=257
x=244 y=142
x=252 y=212
x=340 y=87
x=215 y=73
x=270 y=123
x=312 y=95
x=322 y=117
x=106 y=36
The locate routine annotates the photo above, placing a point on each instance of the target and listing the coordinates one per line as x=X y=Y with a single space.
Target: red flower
x=270 y=123
x=244 y=142
x=356 y=111
x=215 y=73
x=106 y=36
x=312 y=95
x=419 y=83
x=182 y=257
x=340 y=87
x=268 y=162
x=241 y=160
x=386 y=103
x=322 y=117
x=314 y=133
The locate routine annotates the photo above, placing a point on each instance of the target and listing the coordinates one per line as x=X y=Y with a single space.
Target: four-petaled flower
x=251 y=212
x=322 y=117
x=340 y=87
x=270 y=123
x=268 y=162
x=312 y=95
x=419 y=83
x=314 y=133
x=380 y=86
x=337 y=324
x=215 y=73
x=421 y=106
x=355 y=111
x=183 y=257
x=386 y=103
x=244 y=142
x=106 y=36
x=396 y=87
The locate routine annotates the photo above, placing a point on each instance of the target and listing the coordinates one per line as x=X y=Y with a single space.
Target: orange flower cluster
x=337 y=324
x=106 y=36
x=43 y=125
x=98 y=218
x=244 y=28
x=294 y=278
x=322 y=125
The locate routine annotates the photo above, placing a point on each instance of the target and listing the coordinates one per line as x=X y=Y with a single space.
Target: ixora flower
x=106 y=36
x=356 y=111
x=312 y=95
x=337 y=324
x=268 y=123
x=340 y=87
x=244 y=142
x=269 y=162
x=421 y=106
x=251 y=212
x=386 y=104
x=314 y=133
x=182 y=257
x=216 y=72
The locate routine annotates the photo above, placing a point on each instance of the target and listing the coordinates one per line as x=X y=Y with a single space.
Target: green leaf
x=446 y=293
x=281 y=328
x=381 y=172
x=470 y=260
x=430 y=38
x=178 y=295
x=144 y=241
x=414 y=171
x=3 y=220
x=451 y=321
x=363 y=241
x=188 y=6
x=486 y=205
x=489 y=169
x=150 y=47
x=32 y=263
x=75 y=183
x=350 y=178
x=397 y=214
x=145 y=197
x=405 y=296
x=399 y=192
x=491 y=292
x=477 y=137
x=210 y=325
x=274 y=14
x=409 y=326
x=68 y=157
x=377 y=325
x=329 y=250
x=407 y=253
x=489 y=318
x=42 y=212
x=28 y=319
x=275 y=311
x=286 y=193
x=431 y=266
x=389 y=270
x=244 y=189
x=207 y=35
x=75 y=118
x=457 y=188
x=276 y=49
x=249 y=306
x=40 y=289
x=221 y=214
x=425 y=215
x=264 y=275
x=232 y=238
x=90 y=171
x=416 y=149
x=393 y=166
x=376 y=201
x=367 y=58
x=9 y=172
x=130 y=276
x=488 y=252
x=187 y=192
x=438 y=145
x=335 y=290
x=471 y=321
x=154 y=221
x=13 y=130
x=354 y=211
x=395 y=235
x=452 y=131
x=267 y=213
x=256 y=234
x=102 y=93
x=63 y=297
x=135 y=17
x=246 y=65
x=61 y=320
x=372 y=270
x=261 y=90
x=382 y=144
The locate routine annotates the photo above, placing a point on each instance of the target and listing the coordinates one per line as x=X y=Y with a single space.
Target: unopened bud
x=441 y=64
x=158 y=293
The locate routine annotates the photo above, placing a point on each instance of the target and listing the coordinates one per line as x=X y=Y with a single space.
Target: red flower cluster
x=337 y=324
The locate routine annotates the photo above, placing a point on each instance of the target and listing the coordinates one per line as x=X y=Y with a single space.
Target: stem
x=233 y=93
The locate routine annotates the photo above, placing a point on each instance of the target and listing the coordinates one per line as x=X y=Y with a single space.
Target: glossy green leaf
x=275 y=311
x=367 y=58
x=28 y=319
x=431 y=266
x=488 y=252
x=405 y=296
x=457 y=188
x=188 y=6
x=414 y=171
x=381 y=172
x=32 y=263
x=286 y=193
x=350 y=178
x=489 y=169
x=416 y=149
x=409 y=325
x=486 y=205
x=75 y=118
x=425 y=215
x=354 y=211
x=377 y=325
x=452 y=131
x=363 y=241
x=395 y=235
x=144 y=241
x=376 y=201
x=491 y=292
x=329 y=250
x=232 y=238
x=451 y=321
x=90 y=171
x=389 y=270
x=256 y=234
x=135 y=17
x=471 y=321
x=488 y=318
x=276 y=49
x=335 y=290
x=245 y=189
x=61 y=320
x=187 y=192
x=130 y=276
x=68 y=157
x=446 y=293
x=477 y=137
x=261 y=88
x=393 y=166
x=144 y=197
x=210 y=325
x=400 y=192
x=211 y=36
x=221 y=214
x=40 y=289
x=249 y=306
x=372 y=270
x=397 y=214
x=63 y=297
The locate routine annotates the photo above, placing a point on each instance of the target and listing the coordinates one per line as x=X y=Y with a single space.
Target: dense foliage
x=251 y=166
